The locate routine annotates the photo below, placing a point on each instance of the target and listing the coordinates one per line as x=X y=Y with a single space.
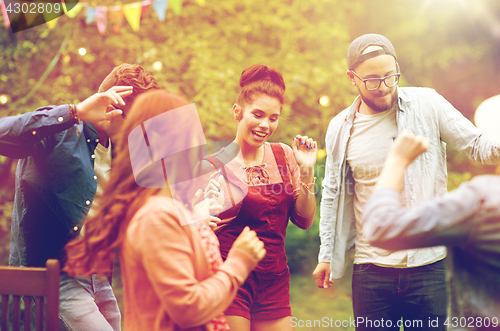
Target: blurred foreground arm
x=443 y=221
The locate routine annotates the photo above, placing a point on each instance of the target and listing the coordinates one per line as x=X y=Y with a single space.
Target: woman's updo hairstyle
x=260 y=79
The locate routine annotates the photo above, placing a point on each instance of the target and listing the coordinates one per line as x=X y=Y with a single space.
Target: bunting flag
x=102 y=20
x=145 y=8
x=176 y=6
x=132 y=13
x=29 y=14
x=51 y=19
x=4 y=13
x=90 y=13
x=116 y=18
x=160 y=7
x=74 y=11
x=11 y=15
x=51 y=24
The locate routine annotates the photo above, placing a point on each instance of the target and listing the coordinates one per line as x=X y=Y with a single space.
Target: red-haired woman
x=172 y=271
x=277 y=181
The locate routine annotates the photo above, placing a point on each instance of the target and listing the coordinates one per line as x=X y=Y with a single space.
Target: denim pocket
x=439 y=266
x=358 y=268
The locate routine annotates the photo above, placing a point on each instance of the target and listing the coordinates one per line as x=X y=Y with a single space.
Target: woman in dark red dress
x=264 y=186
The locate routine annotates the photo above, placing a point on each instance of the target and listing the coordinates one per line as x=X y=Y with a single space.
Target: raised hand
x=250 y=243
x=407 y=147
x=95 y=108
x=305 y=150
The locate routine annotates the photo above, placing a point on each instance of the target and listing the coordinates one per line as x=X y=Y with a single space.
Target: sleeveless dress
x=266 y=209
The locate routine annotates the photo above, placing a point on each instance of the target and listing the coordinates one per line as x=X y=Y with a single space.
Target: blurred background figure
x=466 y=220
x=65 y=155
x=173 y=275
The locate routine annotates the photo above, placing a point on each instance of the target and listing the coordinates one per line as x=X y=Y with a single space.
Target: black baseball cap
x=355 y=54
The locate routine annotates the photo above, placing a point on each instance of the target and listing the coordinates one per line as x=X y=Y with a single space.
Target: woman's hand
x=215 y=188
x=250 y=243
x=305 y=150
x=205 y=209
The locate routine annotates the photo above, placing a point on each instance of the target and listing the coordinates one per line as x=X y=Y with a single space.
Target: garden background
x=199 y=49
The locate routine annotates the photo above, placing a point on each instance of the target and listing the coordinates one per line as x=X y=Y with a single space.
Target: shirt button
x=60 y=119
x=75 y=228
x=92 y=156
x=97 y=140
x=34 y=132
x=87 y=202
x=95 y=177
x=88 y=140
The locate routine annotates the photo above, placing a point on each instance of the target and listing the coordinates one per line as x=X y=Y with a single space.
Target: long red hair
x=121 y=198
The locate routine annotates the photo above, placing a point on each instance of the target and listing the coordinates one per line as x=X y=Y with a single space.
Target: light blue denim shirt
x=467 y=221
x=424 y=112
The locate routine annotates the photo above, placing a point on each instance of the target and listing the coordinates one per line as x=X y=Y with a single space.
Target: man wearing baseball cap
x=390 y=288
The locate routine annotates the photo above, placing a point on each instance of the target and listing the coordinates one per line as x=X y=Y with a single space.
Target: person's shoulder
x=340 y=117
x=289 y=156
x=159 y=218
x=161 y=208
x=415 y=91
x=286 y=148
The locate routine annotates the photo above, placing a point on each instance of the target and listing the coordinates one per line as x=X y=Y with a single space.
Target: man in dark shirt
x=56 y=185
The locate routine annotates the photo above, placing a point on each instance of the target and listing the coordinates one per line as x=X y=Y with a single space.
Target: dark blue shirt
x=55 y=181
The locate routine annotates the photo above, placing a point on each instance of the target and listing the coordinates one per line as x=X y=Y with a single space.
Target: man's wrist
x=73 y=113
x=397 y=162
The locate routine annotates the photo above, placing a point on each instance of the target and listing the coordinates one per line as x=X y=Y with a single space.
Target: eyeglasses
x=372 y=84
x=123 y=113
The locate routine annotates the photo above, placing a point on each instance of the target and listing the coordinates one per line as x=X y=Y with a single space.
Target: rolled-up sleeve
x=460 y=134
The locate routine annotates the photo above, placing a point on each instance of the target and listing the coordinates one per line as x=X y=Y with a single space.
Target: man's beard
x=377 y=107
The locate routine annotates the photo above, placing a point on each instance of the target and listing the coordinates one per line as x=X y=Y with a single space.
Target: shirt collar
x=90 y=133
x=402 y=98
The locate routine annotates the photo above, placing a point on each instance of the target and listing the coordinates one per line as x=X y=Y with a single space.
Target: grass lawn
x=320 y=309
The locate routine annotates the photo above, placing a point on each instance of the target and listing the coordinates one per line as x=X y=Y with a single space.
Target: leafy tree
x=203 y=51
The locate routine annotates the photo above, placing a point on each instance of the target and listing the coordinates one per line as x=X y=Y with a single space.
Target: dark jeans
x=382 y=296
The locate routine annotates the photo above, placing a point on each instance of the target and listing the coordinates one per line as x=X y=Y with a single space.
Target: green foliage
x=448 y=45
x=202 y=52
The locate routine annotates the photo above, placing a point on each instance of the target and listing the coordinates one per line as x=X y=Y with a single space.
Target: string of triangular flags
x=133 y=13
